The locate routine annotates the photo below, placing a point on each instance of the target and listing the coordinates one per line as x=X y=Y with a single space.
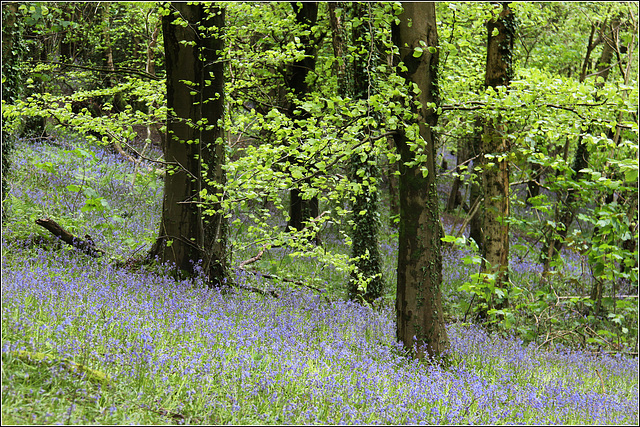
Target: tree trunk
x=300 y=210
x=188 y=234
x=475 y=192
x=462 y=156
x=363 y=169
x=86 y=245
x=420 y=321
x=35 y=126
x=392 y=178
x=338 y=40
x=12 y=52
x=150 y=66
x=213 y=147
x=533 y=185
x=495 y=150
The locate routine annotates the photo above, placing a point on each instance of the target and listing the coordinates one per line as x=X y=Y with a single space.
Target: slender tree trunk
x=475 y=192
x=188 y=234
x=110 y=78
x=533 y=186
x=338 y=40
x=150 y=66
x=495 y=150
x=300 y=210
x=35 y=126
x=363 y=170
x=66 y=46
x=420 y=320
x=392 y=177
x=462 y=156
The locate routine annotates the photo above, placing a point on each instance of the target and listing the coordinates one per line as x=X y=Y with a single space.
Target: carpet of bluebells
x=179 y=352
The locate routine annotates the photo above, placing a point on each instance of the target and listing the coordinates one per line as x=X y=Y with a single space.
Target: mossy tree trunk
x=501 y=34
x=420 y=320
x=195 y=94
x=12 y=53
x=363 y=171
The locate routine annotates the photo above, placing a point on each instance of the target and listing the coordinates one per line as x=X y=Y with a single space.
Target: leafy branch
x=117 y=70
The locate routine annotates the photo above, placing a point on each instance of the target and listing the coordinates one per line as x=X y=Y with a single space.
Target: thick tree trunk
x=188 y=234
x=495 y=150
x=212 y=146
x=420 y=320
x=11 y=88
x=300 y=210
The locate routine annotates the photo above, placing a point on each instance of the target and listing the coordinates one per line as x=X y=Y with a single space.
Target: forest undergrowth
x=85 y=340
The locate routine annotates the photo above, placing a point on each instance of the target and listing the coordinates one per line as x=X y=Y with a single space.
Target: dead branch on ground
x=87 y=246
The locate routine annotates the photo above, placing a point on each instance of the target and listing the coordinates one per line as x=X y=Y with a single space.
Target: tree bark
x=189 y=234
x=11 y=88
x=475 y=192
x=455 y=196
x=300 y=210
x=495 y=148
x=364 y=249
x=338 y=40
x=420 y=320
x=212 y=145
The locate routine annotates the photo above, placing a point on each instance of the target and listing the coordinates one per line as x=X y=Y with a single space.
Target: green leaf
x=631 y=175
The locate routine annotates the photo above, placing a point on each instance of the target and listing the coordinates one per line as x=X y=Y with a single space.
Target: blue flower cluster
x=296 y=359
x=241 y=357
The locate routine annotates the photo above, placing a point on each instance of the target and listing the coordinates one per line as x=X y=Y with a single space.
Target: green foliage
x=483 y=286
x=547 y=111
x=309 y=151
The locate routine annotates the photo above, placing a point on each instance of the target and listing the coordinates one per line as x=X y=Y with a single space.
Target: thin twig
x=601 y=381
x=284 y=279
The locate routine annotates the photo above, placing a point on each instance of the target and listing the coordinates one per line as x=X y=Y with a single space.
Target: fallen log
x=87 y=246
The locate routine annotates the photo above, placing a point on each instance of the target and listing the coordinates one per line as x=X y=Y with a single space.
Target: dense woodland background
x=436 y=164
x=504 y=131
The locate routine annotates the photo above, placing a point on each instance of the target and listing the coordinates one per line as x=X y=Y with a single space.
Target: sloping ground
x=298 y=359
